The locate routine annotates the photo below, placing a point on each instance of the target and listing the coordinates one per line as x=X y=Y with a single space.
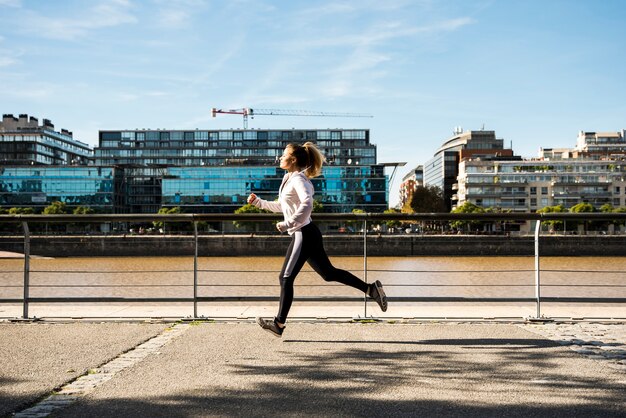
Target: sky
x=535 y=71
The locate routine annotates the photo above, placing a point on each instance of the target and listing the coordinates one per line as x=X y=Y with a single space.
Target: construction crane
x=248 y=112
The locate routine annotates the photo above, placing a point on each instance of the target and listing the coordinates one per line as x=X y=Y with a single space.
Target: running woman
x=295 y=201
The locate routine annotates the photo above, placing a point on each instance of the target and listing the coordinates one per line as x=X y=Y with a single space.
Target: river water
x=258 y=276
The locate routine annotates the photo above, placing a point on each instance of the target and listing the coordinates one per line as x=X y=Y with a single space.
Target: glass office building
x=38 y=187
x=214 y=171
x=442 y=170
x=224 y=189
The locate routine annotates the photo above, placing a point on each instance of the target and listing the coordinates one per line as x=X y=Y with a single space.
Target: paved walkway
x=319 y=310
x=318 y=368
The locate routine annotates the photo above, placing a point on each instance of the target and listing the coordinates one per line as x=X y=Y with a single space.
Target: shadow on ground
x=308 y=375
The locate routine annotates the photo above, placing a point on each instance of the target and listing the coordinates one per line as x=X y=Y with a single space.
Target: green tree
x=553 y=225
x=83 y=210
x=467 y=207
x=393 y=223
x=317 y=206
x=21 y=211
x=583 y=207
x=247 y=225
x=426 y=199
x=56 y=208
x=606 y=208
x=619 y=210
x=355 y=225
x=169 y=226
x=16 y=227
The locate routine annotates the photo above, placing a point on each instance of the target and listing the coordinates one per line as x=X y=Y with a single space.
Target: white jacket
x=295 y=201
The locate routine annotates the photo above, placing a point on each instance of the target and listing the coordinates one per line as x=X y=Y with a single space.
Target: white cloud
x=11 y=3
x=176 y=13
x=130 y=97
x=7 y=61
x=381 y=33
x=105 y=14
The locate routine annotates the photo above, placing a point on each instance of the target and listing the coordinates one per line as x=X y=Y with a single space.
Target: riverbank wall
x=338 y=245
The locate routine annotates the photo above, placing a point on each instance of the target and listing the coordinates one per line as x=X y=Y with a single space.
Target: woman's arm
x=264 y=204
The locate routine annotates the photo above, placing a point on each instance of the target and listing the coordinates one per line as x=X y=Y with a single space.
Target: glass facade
x=441 y=171
x=214 y=171
x=232 y=147
x=224 y=189
x=38 y=187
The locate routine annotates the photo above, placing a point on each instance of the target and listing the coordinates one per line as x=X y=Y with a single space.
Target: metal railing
x=194 y=219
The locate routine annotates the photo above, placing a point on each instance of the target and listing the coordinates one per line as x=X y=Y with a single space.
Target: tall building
x=410 y=181
x=23 y=141
x=593 y=172
x=215 y=171
x=442 y=170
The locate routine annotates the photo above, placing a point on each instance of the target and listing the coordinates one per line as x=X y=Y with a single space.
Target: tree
x=553 y=225
x=248 y=208
x=619 y=210
x=393 y=223
x=582 y=207
x=21 y=211
x=317 y=206
x=467 y=207
x=56 y=208
x=14 y=227
x=355 y=224
x=83 y=210
x=606 y=208
x=170 y=226
x=426 y=199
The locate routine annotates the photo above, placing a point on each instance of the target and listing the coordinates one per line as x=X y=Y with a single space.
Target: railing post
x=195 y=270
x=537 y=270
x=26 y=269
x=365 y=264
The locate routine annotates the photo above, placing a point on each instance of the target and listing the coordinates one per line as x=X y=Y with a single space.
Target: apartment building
x=593 y=172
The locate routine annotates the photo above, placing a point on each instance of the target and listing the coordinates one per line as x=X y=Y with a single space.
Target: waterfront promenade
x=318 y=368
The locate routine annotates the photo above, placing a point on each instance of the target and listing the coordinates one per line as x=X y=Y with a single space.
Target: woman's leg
x=319 y=261
x=294 y=260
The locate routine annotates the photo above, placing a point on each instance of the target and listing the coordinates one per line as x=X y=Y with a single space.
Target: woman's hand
x=281 y=226
x=251 y=198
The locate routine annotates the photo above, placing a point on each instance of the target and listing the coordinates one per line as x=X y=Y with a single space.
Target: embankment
x=264 y=245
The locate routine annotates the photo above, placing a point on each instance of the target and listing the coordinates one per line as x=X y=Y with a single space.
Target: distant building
x=600 y=145
x=442 y=170
x=594 y=172
x=23 y=141
x=39 y=186
x=410 y=182
x=215 y=171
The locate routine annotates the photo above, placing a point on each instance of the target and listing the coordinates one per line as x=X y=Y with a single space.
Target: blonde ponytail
x=316 y=160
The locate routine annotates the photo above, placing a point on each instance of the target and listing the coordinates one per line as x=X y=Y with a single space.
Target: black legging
x=306 y=245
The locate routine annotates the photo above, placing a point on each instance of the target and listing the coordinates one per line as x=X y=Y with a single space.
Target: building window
x=617 y=190
x=616 y=201
x=544 y=190
x=544 y=202
x=533 y=201
x=533 y=190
